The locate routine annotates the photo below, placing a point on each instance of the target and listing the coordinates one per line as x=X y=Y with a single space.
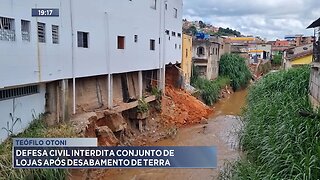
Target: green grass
x=234 y=67
x=277 y=141
x=210 y=90
x=36 y=129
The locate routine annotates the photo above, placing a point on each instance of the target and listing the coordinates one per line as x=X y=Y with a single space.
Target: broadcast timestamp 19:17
x=45 y=12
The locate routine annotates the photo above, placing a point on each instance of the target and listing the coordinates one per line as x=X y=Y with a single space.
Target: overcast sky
x=269 y=19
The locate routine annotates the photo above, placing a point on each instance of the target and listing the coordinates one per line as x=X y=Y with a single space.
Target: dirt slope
x=181 y=108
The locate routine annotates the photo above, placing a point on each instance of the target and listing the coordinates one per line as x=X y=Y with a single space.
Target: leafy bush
x=278 y=142
x=143 y=106
x=37 y=129
x=222 y=81
x=210 y=90
x=195 y=74
x=234 y=67
x=158 y=93
x=277 y=59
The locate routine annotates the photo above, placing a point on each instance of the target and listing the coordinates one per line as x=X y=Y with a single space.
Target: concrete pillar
x=58 y=102
x=64 y=99
x=73 y=95
x=110 y=91
x=163 y=80
x=140 y=84
x=159 y=78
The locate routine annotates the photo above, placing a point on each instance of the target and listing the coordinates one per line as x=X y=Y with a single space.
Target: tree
x=201 y=24
x=192 y=30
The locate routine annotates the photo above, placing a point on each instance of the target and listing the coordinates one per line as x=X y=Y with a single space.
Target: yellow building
x=297 y=61
x=242 y=38
x=302 y=60
x=186 y=57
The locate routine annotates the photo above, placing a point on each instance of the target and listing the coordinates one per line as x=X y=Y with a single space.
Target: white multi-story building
x=94 y=54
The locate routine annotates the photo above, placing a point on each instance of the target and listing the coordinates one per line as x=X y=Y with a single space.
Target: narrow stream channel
x=220 y=132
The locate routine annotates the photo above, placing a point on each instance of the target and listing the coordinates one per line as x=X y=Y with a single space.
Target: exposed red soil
x=181 y=108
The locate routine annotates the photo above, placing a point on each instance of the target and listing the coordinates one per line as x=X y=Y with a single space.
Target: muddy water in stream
x=220 y=132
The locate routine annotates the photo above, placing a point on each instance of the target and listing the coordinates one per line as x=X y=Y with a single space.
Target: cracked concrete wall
x=91 y=93
x=133 y=85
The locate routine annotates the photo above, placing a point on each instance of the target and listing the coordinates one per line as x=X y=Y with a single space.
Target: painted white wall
x=173 y=54
x=104 y=20
x=31 y=62
x=20 y=60
x=25 y=107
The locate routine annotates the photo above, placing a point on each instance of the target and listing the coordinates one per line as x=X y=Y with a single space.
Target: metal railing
x=25 y=36
x=7 y=35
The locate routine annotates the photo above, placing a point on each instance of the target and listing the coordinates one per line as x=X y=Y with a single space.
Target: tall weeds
x=277 y=141
x=210 y=89
x=37 y=129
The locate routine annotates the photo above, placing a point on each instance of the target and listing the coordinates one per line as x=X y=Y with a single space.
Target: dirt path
x=220 y=132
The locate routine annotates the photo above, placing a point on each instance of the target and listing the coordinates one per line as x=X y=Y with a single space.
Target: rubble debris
x=204 y=121
x=106 y=136
x=181 y=108
x=114 y=121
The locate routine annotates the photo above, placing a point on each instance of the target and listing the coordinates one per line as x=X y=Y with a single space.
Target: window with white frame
x=153 y=4
x=55 y=34
x=41 y=32
x=25 y=30
x=7 y=30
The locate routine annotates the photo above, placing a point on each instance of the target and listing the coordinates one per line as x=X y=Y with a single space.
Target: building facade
x=259 y=51
x=186 y=64
x=299 y=39
x=296 y=56
x=206 y=55
x=93 y=55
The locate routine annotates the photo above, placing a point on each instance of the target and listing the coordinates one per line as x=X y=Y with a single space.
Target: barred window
x=7 y=31
x=83 y=38
x=41 y=32
x=25 y=30
x=18 y=92
x=55 y=34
